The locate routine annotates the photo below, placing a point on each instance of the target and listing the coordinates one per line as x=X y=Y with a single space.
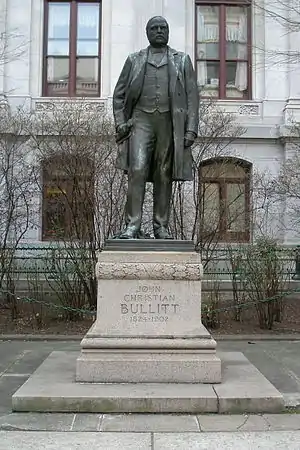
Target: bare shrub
x=16 y=190
x=83 y=192
x=264 y=277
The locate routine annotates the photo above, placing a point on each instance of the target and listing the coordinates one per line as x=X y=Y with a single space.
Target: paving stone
x=28 y=362
x=283 y=421
x=149 y=422
x=12 y=353
x=220 y=422
x=277 y=360
x=276 y=363
x=292 y=399
x=8 y=358
x=66 y=441
x=87 y=422
x=8 y=386
x=37 y=422
x=283 y=354
x=244 y=388
x=228 y=441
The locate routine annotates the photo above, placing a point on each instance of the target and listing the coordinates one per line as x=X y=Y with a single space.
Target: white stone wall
x=123 y=32
x=276 y=88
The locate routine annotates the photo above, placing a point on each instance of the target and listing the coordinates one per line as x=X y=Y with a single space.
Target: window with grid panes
x=72 y=48
x=223 y=48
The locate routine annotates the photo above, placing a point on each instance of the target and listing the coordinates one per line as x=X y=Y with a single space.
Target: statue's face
x=158 y=32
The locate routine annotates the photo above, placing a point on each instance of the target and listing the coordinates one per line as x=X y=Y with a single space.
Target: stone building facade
x=76 y=49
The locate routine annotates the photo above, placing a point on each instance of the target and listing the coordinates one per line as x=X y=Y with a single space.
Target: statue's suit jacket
x=184 y=105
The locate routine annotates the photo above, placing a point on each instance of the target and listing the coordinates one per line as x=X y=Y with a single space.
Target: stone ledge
x=52 y=388
x=221 y=337
x=157 y=257
x=160 y=343
x=140 y=367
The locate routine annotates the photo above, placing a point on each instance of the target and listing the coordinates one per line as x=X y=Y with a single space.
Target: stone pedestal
x=148 y=327
x=148 y=351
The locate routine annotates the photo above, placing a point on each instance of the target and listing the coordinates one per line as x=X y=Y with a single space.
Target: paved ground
x=279 y=361
x=147 y=441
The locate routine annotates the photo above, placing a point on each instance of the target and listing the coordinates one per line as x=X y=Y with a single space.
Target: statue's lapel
x=140 y=64
x=174 y=63
x=137 y=78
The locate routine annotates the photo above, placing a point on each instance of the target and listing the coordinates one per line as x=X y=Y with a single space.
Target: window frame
x=223 y=235
x=64 y=182
x=222 y=46
x=73 y=57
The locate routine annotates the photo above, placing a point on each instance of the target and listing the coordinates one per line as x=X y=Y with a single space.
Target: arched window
x=68 y=198
x=225 y=199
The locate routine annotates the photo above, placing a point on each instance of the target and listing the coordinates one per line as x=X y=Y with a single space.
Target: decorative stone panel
x=148 y=271
x=49 y=105
x=248 y=110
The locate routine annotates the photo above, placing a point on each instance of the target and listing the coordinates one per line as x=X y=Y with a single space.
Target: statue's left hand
x=189 y=139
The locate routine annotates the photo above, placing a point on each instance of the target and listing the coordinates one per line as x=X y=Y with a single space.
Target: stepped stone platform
x=52 y=388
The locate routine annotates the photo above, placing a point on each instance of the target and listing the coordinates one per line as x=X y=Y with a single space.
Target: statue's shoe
x=162 y=233
x=129 y=233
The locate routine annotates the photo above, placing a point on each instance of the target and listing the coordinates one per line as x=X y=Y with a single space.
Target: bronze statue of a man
x=155 y=105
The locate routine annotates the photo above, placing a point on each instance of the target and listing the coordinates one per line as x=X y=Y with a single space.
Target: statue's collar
x=158 y=50
x=171 y=51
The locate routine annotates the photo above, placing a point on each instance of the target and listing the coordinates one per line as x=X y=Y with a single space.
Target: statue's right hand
x=123 y=128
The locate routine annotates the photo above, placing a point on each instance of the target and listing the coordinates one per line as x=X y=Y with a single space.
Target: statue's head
x=157 y=30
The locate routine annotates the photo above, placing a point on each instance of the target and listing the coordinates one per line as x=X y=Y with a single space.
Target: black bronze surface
x=151 y=245
x=155 y=105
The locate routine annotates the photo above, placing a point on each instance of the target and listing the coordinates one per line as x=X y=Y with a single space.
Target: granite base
x=52 y=388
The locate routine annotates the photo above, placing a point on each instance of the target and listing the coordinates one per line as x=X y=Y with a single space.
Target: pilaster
x=36 y=49
x=3 y=28
x=17 y=70
x=275 y=49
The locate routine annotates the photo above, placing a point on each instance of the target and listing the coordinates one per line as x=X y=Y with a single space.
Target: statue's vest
x=155 y=91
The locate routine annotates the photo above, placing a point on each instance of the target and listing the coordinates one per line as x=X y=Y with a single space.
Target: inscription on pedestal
x=149 y=304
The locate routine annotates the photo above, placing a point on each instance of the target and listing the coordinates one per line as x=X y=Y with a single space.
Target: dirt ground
x=29 y=321
x=249 y=321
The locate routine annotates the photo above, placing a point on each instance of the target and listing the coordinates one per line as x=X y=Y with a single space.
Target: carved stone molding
x=248 y=110
x=51 y=105
x=148 y=271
